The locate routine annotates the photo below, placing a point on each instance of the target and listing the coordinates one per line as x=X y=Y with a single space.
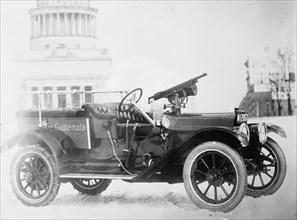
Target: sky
x=157 y=44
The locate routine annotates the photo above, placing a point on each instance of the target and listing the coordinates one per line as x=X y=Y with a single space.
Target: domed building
x=63 y=56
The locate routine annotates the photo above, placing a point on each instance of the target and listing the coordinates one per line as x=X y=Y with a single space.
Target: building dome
x=63 y=23
x=64 y=57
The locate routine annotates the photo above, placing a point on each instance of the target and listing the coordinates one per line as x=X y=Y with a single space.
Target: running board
x=96 y=176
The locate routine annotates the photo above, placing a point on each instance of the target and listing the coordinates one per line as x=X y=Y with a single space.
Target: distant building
x=63 y=55
x=262 y=96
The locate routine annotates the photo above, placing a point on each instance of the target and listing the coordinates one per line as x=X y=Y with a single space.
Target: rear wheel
x=269 y=172
x=34 y=176
x=215 y=177
x=90 y=186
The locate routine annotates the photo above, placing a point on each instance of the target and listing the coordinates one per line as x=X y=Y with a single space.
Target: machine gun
x=178 y=95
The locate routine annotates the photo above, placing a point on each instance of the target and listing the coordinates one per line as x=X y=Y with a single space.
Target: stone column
x=44 y=24
x=55 y=97
x=32 y=27
x=79 y=22
x=38 y=25
x=95 y=27
x=88 y=25
x=68 y=97
x=72 y=32
x=82 y=25
x=85 y=25
x=67 y=24
x=58 y=24
x=91 y=26
x=41 y=98
x=55 y=17
x=51 y=25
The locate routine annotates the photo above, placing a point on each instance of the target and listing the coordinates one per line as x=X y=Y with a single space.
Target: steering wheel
x=130 y=99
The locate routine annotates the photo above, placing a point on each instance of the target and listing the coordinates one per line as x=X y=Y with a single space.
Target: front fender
x=271 y=128
x=276 y=129
x=52 y=138
x=221 y=134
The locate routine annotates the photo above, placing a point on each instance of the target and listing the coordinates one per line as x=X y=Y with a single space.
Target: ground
x=124 y=200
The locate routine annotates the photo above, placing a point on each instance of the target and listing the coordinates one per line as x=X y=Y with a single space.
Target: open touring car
x=220 y=158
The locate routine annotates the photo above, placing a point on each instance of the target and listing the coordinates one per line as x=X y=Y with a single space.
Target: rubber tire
x=239 y=168
x=94 y=191
x=282 y=169
x=54 y=186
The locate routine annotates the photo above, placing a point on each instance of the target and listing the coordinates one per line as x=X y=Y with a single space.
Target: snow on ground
x=124 y=200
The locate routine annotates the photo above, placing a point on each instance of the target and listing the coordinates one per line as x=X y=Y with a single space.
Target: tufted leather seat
x=111 y=111
x=132 y=115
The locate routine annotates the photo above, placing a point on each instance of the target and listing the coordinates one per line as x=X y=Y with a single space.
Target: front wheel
x=90 y=186
x=215 y=177
x=269 y=172
x=34 y=176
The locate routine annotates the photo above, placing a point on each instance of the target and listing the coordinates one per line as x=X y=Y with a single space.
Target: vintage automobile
x=220 y=158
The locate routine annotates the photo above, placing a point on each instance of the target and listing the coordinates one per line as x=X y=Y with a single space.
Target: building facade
x=270 y=86
x=63 y=59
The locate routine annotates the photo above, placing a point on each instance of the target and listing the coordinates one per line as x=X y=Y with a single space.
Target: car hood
x=192 y=122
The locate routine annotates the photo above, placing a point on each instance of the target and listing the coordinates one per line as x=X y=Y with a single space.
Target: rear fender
x=54 y=139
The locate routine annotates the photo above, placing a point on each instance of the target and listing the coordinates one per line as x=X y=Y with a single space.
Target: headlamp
x=165 y=122
x=244 y=128
x=262 y=132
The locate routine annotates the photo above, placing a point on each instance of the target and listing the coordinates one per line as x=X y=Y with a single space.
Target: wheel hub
x=258 y=169
x=214 y=177
x=29 y=177
x=32 y=176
